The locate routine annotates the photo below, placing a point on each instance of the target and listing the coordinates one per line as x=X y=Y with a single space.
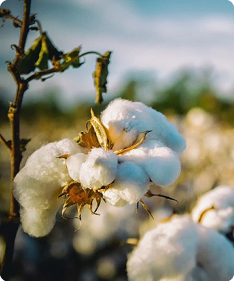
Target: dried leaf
x=100 y=75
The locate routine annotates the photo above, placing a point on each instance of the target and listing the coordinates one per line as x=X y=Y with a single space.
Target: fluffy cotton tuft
x=126 y=119
x=38 y=184
x=130 y=185
x=221 y=216
x=74 y=163
x=183 y=251
x=99 y=169
x=161 y=163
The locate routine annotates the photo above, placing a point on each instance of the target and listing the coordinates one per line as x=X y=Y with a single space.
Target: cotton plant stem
x=11 y=226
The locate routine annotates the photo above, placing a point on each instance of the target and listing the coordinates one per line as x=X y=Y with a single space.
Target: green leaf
x=100 y=75
x=27 y=62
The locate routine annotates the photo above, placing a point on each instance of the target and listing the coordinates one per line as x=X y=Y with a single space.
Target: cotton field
x=186 y=159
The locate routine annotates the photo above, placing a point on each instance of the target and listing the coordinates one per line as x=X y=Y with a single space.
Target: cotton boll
x=126 y=119
x=130 y=185
x=99 y=169
x=182 y=250
x=215 y=255
x=74 y=163
x=215 y=209
x=40 y=181
x=160 y=163
x=165 y=252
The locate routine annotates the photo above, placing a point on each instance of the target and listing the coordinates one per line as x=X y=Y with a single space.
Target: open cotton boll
x=40 y=181
x=161 y=164
x=74 y=163
x=164 y=252
x=130 y=185
x=182 y=250
x=99 y=169
x=215 y=209
x=126 y=119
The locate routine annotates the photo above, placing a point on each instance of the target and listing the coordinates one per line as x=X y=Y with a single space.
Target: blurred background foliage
x=99 y=250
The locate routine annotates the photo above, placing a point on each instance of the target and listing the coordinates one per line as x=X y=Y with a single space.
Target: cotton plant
x=116 y=160
x=181 y=250
x=215 y=209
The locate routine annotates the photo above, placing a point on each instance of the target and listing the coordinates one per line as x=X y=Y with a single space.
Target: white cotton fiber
x=38 y=222
x=221 y=217
x=215 y=255
x=40 y=181
x=165 y=252
x=129 y=187
x=99 y=169
x=161 y=163
x=182 y=250
x=74 y=163
x=126 y=119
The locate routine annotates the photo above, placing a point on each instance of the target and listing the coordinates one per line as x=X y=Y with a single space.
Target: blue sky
x=151 y=36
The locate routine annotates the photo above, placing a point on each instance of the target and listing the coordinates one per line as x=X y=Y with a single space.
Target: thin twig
x=90 y=53
x=39 y=74
x=5 y=143
x=15 y=19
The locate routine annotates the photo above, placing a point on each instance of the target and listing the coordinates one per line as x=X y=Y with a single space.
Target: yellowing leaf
x=42 y=62
x=70 y=59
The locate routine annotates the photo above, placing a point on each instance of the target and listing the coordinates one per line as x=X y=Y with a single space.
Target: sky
x=155 y=38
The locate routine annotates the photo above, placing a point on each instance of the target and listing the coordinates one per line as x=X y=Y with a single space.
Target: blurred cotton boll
x=38 y=184
x=99 y=169
x=181 y=250
x=97 y=231
x=215 y=209
x=129 y=187
x=126 y=119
